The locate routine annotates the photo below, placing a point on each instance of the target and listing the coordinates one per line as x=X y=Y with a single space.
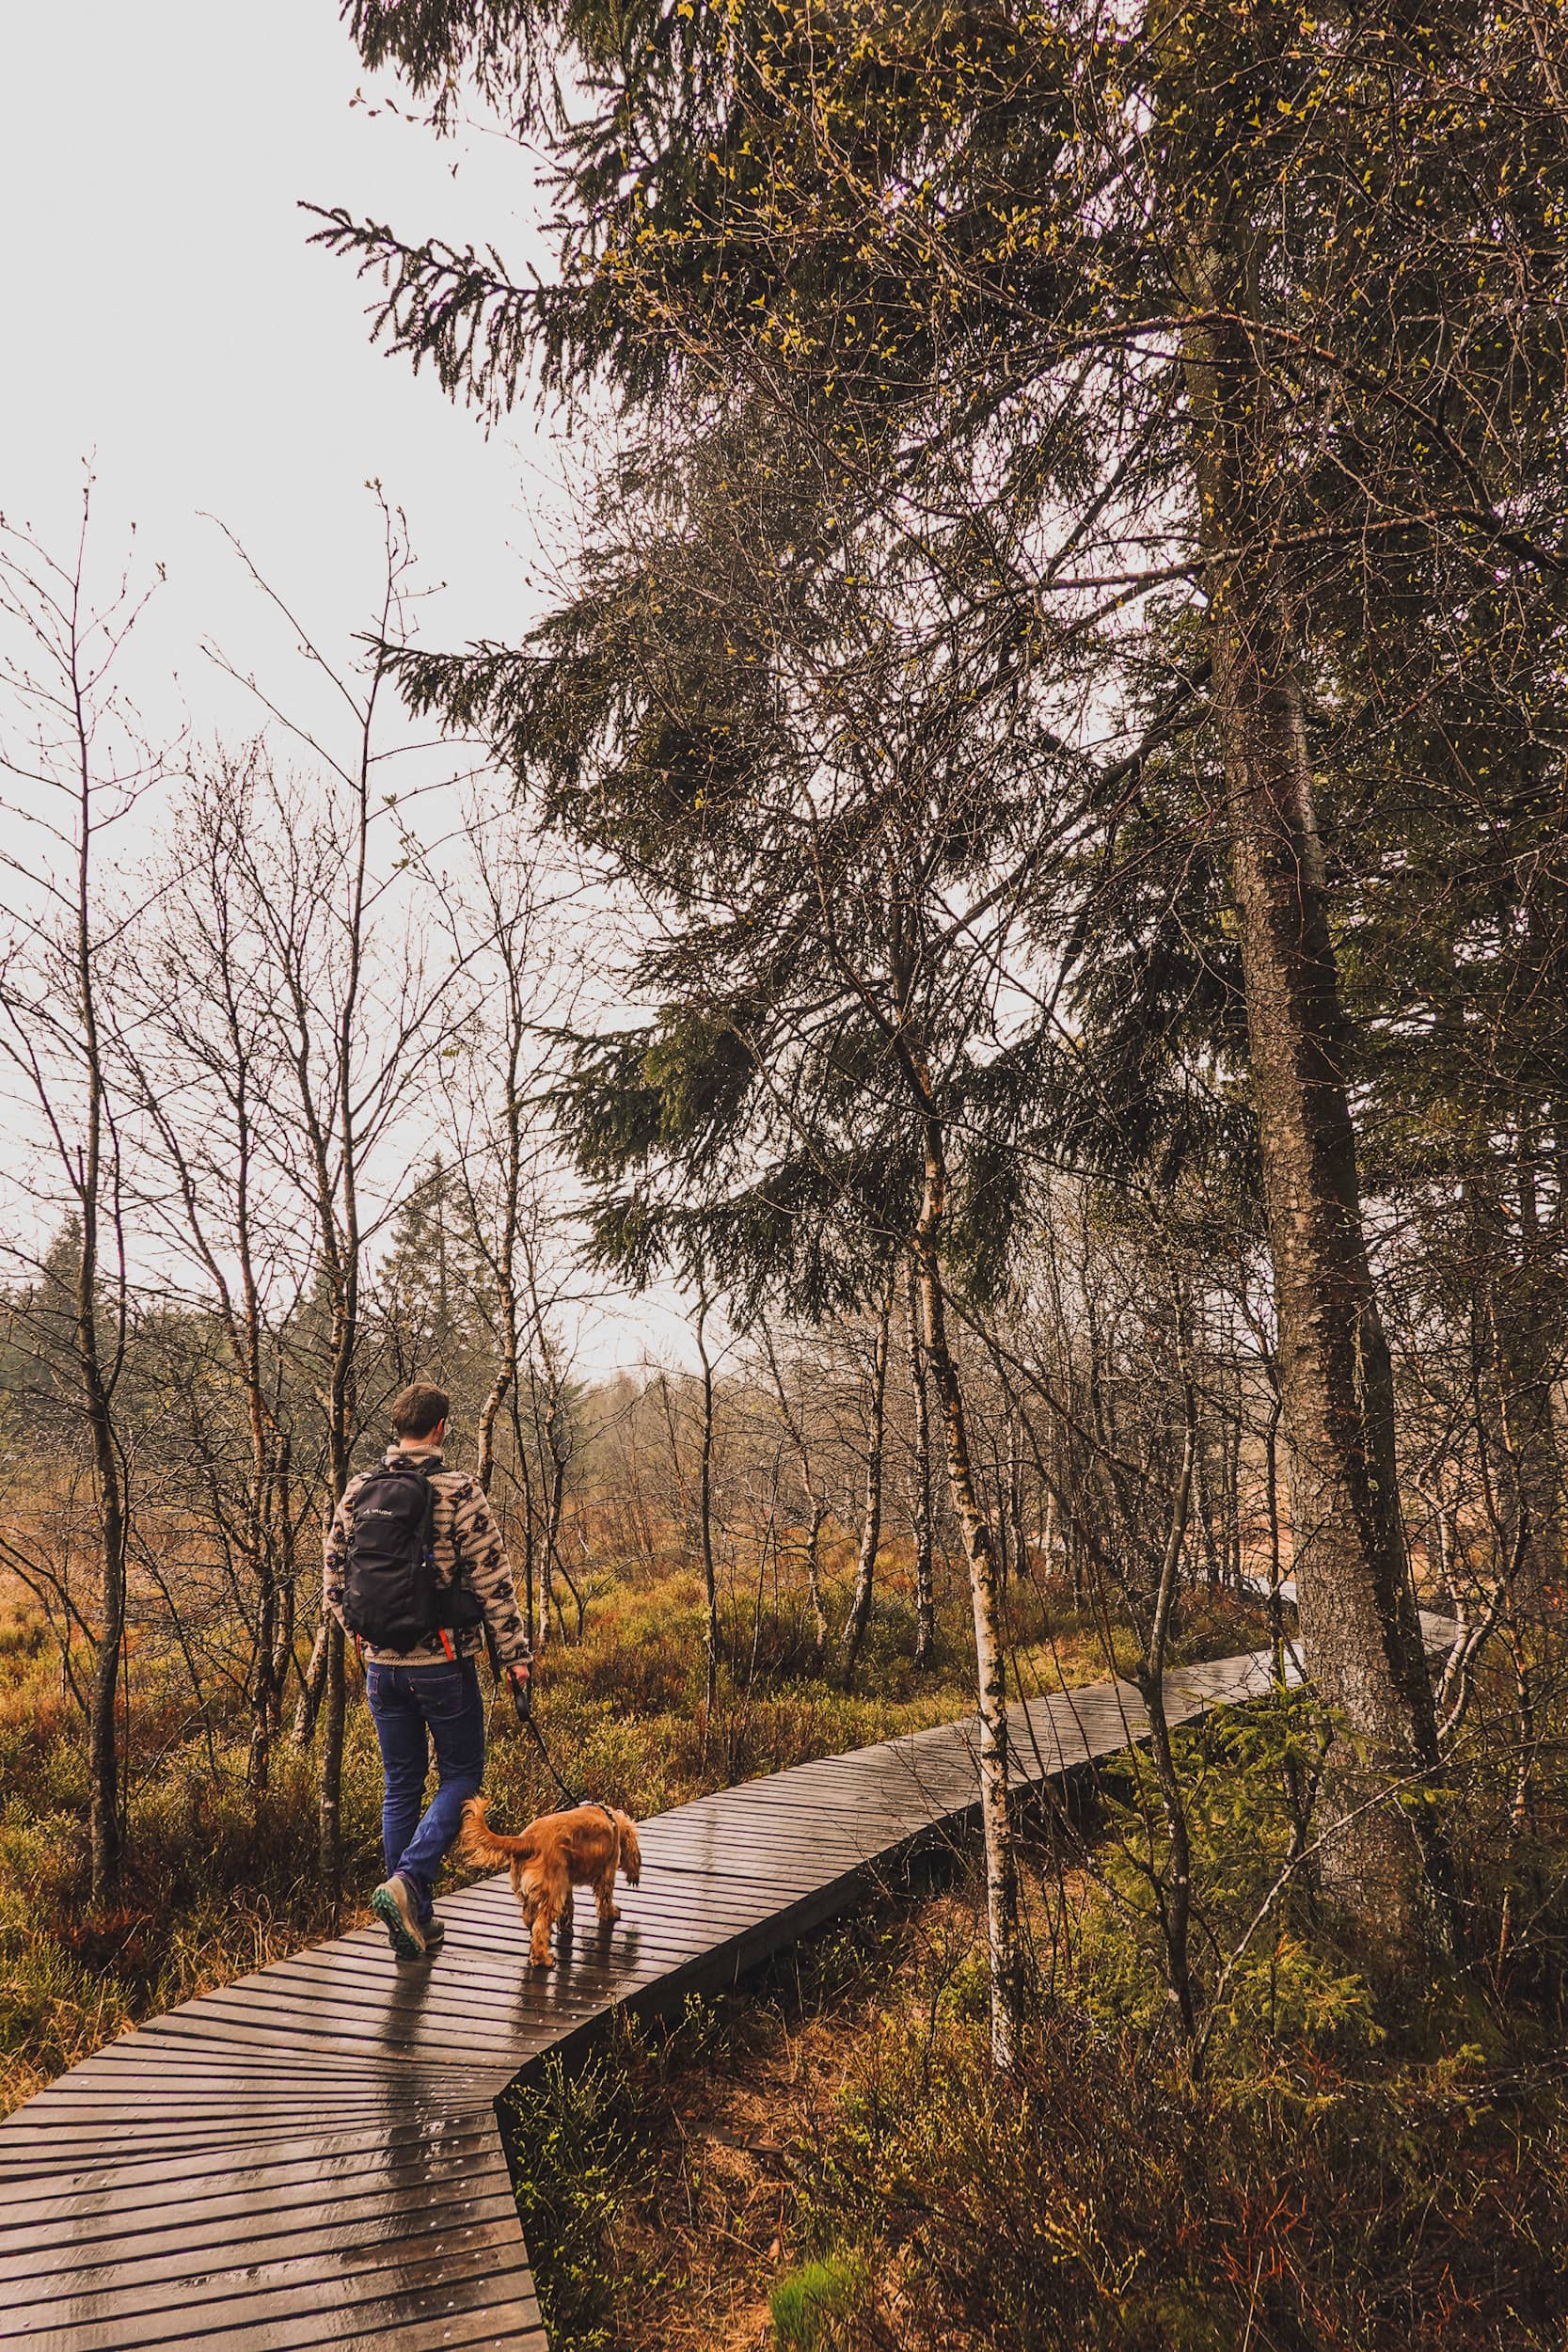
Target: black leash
x=538 y=1739
x=522 y=1702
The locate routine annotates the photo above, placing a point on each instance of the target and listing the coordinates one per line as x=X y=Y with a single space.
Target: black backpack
x=393 y=1597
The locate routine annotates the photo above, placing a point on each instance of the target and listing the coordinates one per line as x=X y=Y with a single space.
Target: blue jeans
x=414 y=1709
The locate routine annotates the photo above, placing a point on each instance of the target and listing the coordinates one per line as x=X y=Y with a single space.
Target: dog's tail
x=631 y=1852
x=478 y=1842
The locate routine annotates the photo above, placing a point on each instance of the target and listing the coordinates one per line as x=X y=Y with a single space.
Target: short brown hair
x=419 y=1409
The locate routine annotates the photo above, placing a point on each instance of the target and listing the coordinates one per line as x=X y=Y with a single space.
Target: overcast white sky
x=166 y=319
x=165 y=316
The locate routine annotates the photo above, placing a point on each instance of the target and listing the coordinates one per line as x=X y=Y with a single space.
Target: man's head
x=419 y=1414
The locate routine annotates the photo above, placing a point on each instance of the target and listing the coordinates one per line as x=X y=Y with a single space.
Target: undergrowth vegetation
x=827 y=2162
x=221 y=1878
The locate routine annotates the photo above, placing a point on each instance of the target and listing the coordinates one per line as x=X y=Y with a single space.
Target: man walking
x=415 y=1570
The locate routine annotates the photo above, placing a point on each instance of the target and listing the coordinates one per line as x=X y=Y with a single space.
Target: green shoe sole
x=402 y=1938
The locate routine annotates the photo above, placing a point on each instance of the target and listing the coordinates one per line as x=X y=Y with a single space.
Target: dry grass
x=219 y=1880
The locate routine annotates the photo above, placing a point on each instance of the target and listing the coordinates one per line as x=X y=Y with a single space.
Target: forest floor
x=823 y=2162
x=221 y=1878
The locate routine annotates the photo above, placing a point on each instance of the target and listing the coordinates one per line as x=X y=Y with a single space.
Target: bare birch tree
x=75 y=769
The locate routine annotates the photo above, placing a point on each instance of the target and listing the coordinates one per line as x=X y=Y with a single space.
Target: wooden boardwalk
x=310 y=2156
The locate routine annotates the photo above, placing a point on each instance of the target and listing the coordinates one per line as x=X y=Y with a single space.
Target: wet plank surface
x=309 y=2156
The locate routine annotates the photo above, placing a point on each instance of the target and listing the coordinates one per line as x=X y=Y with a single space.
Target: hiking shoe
x=434 y=1933
x=393 y=1905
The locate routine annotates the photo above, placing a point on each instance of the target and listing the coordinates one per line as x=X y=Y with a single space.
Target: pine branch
x=452 y=306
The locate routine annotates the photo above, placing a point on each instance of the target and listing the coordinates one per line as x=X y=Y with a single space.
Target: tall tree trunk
x=105 y=1794
x=545 y=1440
x=555 y=1501
x=95 y=1378
x=871 y=1524
x=1512 y=1290
x=1234 y=1497
x=1016 y=1486
x=1174 y=1890
x=1519 y=1810
x=704 y=1507
x=312 y=1686
x=496 y=1395
x=525 y=1480
x=334 y=1699
x=266 y=1453
x=103 y=1756
x=283 y=1648
x=505 y=1381
x=818 y=1510
x=329 y=1813
x=1271 y=1493
x=815 y=1506
x=1354 y=1590
x=1000 y=1524
x=1002 y=1914
x=57 y=689
x=1207 y=1517
x=258 y=1761
x=920 y=1497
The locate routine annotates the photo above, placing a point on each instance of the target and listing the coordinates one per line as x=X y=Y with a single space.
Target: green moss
x=811 y=2307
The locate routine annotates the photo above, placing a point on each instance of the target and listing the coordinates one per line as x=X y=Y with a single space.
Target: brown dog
x=582 y=1848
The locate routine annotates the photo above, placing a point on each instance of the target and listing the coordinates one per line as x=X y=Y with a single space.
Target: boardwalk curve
x=310 y=2156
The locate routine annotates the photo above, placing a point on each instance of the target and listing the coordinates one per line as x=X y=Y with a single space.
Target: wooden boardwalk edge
x=311 y=2155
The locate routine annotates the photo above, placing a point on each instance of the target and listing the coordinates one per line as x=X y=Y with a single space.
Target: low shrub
x=1100 y=2198
x=574 y=2143
x=579 y=2142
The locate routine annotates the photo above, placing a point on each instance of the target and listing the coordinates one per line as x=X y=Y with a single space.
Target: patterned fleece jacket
x=467 y=1545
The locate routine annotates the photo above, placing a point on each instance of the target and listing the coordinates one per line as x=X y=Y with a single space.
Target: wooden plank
x=261 y=2020
x=131 y=2185
x=322 y=2023
x=829 y=1808
x=147 y=2270
x=374 y=2003
x=379 y=2308
x=490 y=1996
x=148 y=2051
x=680 y=1872
x=182 y=2060
x=49 y=2153
x=266 y=2024
x=790 y=1822
x=119 y=2119
x=65 y=2154
x=516 y=2328
x=251 y=2210
x=117 y=2301
x=194 y=2244
x=786 y=1821
x=912 y=1770
x=669 y=1922
x=721 y=1854
x=757 y=1864
x=263 y=2030
x=512 y=2327
x=317 y=2112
